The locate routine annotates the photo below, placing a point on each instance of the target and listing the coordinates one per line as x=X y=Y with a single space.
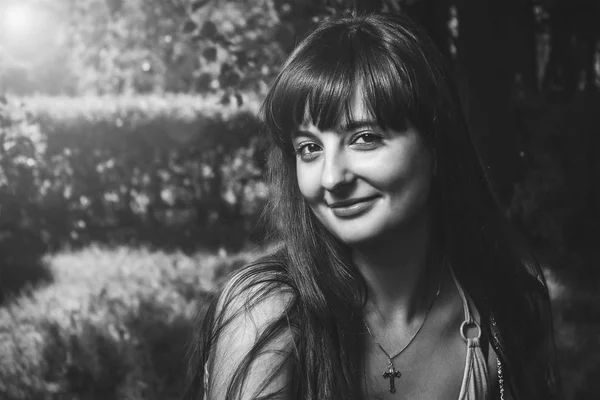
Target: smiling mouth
x=351 y=208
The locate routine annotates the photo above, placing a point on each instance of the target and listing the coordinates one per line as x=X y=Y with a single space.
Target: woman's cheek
x=307 y=181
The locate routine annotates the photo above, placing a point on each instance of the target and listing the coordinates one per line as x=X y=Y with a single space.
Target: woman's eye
x=367 y=140
x=307 y=151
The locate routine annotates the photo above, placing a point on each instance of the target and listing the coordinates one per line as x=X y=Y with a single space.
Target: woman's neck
x=400 y=272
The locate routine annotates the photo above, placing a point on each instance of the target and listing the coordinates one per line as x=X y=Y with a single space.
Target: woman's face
x=362 y=181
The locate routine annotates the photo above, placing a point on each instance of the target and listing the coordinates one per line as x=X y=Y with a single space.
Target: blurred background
x=131 y=169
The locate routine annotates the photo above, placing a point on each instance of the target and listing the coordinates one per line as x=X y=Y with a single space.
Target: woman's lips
x=352 y=208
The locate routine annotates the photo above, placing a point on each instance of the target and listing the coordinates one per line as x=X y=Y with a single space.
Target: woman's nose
x=336 y=171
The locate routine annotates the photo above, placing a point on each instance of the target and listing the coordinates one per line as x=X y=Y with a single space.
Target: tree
x=174 y=45
x=574 y=35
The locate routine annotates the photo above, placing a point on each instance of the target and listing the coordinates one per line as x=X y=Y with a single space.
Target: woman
x=397 y=276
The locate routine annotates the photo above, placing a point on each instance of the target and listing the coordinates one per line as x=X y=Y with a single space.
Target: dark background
x=128 y=131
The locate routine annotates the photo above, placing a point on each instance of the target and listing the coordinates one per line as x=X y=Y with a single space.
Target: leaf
x=114 y=6
x=196 y=5
x=242 y=58
x=210 y=54
x=239 y=98
x=230 y=78
x=189 y=26
x=209 y=30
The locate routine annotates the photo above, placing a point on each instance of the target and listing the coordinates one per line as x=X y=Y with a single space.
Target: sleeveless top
x=476 y=380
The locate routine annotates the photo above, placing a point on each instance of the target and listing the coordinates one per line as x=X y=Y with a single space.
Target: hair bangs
x=385 y=90
x=316 y=87
x=392 y=79
x=321 y=77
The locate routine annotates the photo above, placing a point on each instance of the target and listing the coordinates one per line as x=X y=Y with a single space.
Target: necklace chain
x=391 y=358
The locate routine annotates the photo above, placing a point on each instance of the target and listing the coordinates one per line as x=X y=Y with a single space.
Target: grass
x=113 y=324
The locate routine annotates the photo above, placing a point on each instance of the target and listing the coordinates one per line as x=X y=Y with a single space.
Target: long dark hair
x=405 y=81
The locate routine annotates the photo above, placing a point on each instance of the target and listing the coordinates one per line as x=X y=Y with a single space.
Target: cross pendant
x=390 y=374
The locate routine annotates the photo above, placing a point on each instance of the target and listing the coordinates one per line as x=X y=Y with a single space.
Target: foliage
x=178 y=171
x=141 y=46
x=115 y=329
x=239 y=43
x=21 y=148
x=225 y=46
x=190 y=46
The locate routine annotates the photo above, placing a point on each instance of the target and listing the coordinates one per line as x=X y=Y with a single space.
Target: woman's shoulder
x=253 y=298
x=251 y=336
x=261 y=285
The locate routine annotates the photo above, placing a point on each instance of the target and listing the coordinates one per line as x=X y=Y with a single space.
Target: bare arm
x=267 y=373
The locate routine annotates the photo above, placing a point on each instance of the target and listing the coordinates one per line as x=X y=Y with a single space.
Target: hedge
x=172 y=169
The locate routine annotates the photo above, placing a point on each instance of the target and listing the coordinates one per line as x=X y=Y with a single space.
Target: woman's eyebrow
x=359 y=124
x=350 y=126
x=302 y=132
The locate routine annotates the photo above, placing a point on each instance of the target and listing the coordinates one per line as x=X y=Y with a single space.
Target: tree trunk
x=486 y=77
x=560 y=73
x=524 y=53
x=433 y=16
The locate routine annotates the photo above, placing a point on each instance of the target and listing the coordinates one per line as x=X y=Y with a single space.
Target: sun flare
x=17 y=19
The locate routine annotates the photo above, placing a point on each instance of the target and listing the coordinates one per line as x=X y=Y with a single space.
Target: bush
x=171 y=170
x=21 y=245
x=113 y=325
